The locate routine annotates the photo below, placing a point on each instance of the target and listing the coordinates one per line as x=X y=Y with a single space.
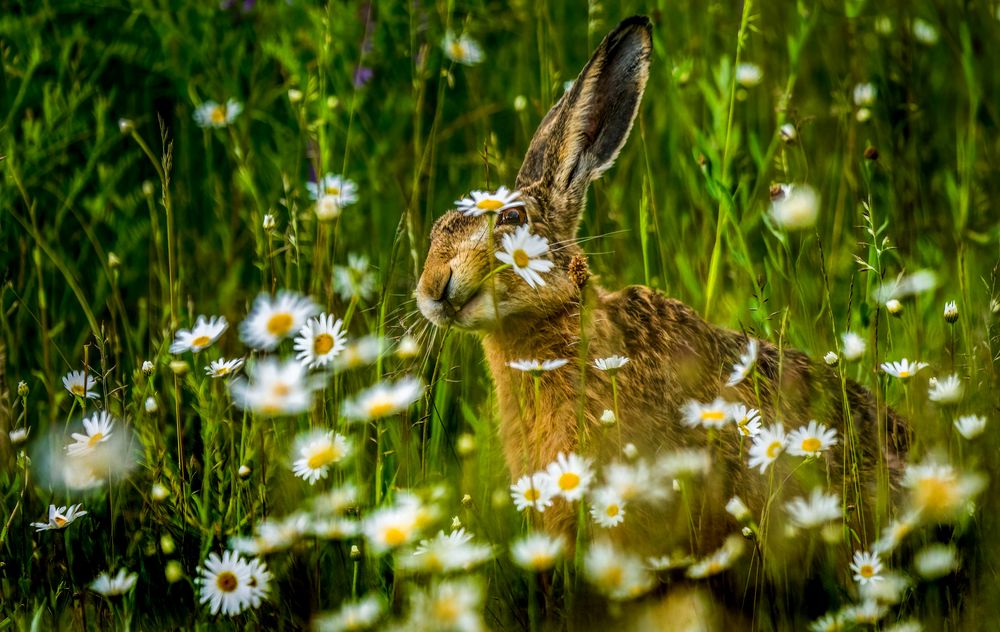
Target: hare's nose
x=436 y=283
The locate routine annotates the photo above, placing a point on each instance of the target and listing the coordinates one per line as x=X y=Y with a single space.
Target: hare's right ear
x=585 y=130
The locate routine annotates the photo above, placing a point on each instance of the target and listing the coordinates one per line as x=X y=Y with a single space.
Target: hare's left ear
x=583 y=133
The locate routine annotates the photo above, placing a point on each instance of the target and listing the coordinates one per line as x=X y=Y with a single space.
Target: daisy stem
x=493 y=273
x=614 y=399
x=533 y=602
x=180 y=443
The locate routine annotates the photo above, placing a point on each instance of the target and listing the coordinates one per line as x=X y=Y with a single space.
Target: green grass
x=112 y=241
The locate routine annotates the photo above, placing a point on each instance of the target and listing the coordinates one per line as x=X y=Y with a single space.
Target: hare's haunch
x=675 y=356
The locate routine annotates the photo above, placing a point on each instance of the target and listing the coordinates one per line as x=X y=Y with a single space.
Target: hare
x=675 y=355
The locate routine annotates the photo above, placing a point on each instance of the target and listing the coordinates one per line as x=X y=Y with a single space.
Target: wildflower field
x=291 y=340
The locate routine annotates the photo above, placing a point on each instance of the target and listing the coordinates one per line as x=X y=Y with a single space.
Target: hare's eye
x=512 y=216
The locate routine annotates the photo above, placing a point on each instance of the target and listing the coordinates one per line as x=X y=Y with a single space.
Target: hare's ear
x=585 y=130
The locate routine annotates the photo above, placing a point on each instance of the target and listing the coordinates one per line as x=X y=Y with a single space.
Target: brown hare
x=675 y=357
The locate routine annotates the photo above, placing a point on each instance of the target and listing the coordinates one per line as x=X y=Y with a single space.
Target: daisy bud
x=147 y=188
x=125 y=126
x=269 y=223
x=179 y=367
x=244 y=471
x=113 y=260
x=22 y=388
x=332 y=102
x=676 y=484
x=520 y=102
x=738 y=509
x=174 y=572
x=467 y=500
x=608 y=418
x=167 y=544
x=894 y=307
x=456 y=523
x=831 y=358
x=159 y=492
x=630 y=451
x=355 y=552
x=147 y=368
x=408 y=347
x=747 y=532
x=864 y=115
x=151 y=406
x=18 y=436
x=294 y=95
x=950 y=311
x=995 y=307
x=466 y=444
x=788 y=133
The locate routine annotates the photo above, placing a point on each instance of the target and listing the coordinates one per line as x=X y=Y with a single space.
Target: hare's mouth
x=475 y=312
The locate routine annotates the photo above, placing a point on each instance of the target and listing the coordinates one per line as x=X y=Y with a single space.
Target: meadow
x=222 y=408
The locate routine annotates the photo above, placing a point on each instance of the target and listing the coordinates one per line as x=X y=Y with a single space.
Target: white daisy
x=718 y=561
x=938 y=491
x=571 y=475
x=359 y=353
x=852 y=346
x=685 y=463
x=274 y=388
x=945 y=391
x=634 y=481
x=98 y=429
x=356 y=279
x=18 y=435
x=462 y=49
x=819 y=509
x=455 y=605
x=79 y=383
x=320 y=340
x=831 y=358
x=712 y=415
x=341 y=190
x=864 y=94
x=617 y=574
x=272 y=319
x=970 y=426
x=223 y=367
x=611 y=364
x=894 y=307
x=392 y=527
x=60 y=517
x=537 y=367
x=480 y=202
x=383 y=399
x=608 y=417
x=212 y=114
x=317 y=451
x=889 y=589
x=446 y=553
x=867 y=567
x=747 y=420
x=113 y=585
x=607 y=507
x=225 y=583
x=738 y=509
x=903 y=369
x=352 y=615
x=522 y=250
x=535 y=491
x=866 y=613
x=896 y=532
x=936 y=561
x=924 y=32
x=537 y=551
x=748 y=75
x=203 y=334
x=951 y=311
x=796 y=207
x=260 y=582
x=811 y=440
x=747 y=361
x=830 y=622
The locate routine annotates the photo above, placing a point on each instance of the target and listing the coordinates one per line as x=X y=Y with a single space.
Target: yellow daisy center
x=200 y=341
x=381 y=406
x=331 y=190
x=77 y=389
x=279 y=324
x=521 y=258
x=611 y=511
x=714 y=568
x=219 y=114
x=325 y=455
x=280 y=390
x=774 y=449
x=489 y=204
x=937 y=495
x=226 y=581
x=541 y=560
x=811 y=444
x=222 y=370
x=60 y=521
x=569 y=481
x=445 y=611
x=613 y=576
x=394 y=536
x=322 y=344
x=904 y=373
x=867 y=570
x=95 y=438
x=457 y=50
x=712 y=415
x=532 y=494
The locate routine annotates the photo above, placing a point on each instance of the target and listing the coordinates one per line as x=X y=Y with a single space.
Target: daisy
x=334 y=528
x=894 y=307
x=535 y=491
x=98 y=430
x=340 y=189
x=831 y=358
x=111 y=586
x=383 y=399
x=668 y=562
x=924 y=32
x=274 y=388
x=537 y=551
x=811 y=440
x=747 y=420
x=831 y=622
x=866 y=612
x=970 y=426
x=272 y=319
x=260 y=582
x=223 y=367
x=617 y=574
x=819 y=509
x=212 y=114
x=462 y=49
x=336 y=501
x=352 y=615
x=748 y=75
x=718 y=561
x=945 y=391
x=537 y=367
x=611 y=364
x=203 y=334
x=447 y=553
x=608 y=417
x=684 y=464
x=631 y=482
x=607 y=508
x=903 y=369
x=79 y=383
x=523 y=250
x=408 y=347
x=359 y=353
x=225 y=583
x=355 y=279
x=747 y=361
x=864 y=94
x=392 y=527
x=738 y=509
x=797 y=207
x=317 y=451
x=18 y=436
x=571 y=475
x=453 y=605
x=894 y=534
x=867 y=567
x=938 y=491
x=59 y=517
x=936 y=561
x=889 y=589
x=480 y=202
x=713 y=415
x=320 y=341
x=852 y=346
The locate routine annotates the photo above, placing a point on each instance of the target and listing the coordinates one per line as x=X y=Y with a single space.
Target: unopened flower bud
x=466 y=444
x=179 y=367
x=159 y=492
x=355 y=552
x=269 y=223
x=22 y=388
x=467 y=500
x=148 y=189
x=151 y=405
x=950 y=311
x=18 y=436
x=167 y=544
x=894 y=307
x=788 y=133
x=113 y=260
x=630 y=451
x=456 y=523
x=520 y=102
x=244 y=471
x=147 y=368
x=831 y=358
x=294 y=95
x=608 y=418
x=125 y=126
x=174 y=572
